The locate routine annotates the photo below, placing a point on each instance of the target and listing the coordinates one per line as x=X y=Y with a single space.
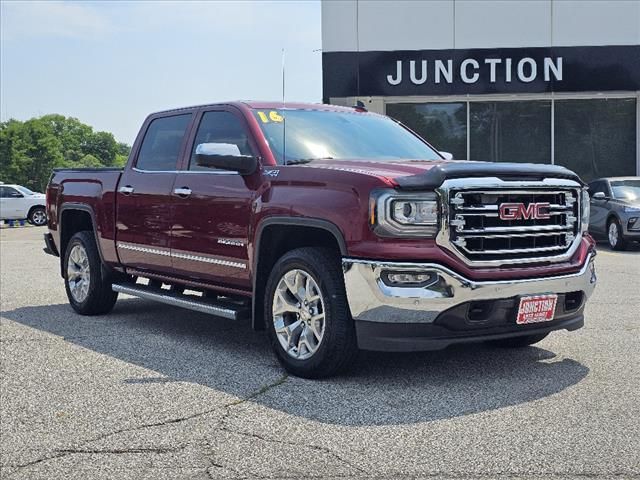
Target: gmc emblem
x=517 y=211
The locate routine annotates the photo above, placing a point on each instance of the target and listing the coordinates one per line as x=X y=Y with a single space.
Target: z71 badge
x=272 y=173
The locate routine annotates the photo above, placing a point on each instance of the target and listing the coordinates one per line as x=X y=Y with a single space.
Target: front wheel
x=614 y=235
x=38 y=217
x=308 y=319
x=88 y=288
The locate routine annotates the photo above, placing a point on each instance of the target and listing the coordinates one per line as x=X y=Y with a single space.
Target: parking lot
x=156 y=392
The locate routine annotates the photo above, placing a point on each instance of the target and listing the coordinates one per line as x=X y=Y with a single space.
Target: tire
x=336 y=348
x=81 y=263
x=37 y=216
x=518 y=342
x=614 y=235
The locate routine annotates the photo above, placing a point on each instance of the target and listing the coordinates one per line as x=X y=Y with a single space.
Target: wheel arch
x=73 y=218
x=277 y=235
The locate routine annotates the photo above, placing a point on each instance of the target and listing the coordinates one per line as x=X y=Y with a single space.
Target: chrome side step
x=227 y=310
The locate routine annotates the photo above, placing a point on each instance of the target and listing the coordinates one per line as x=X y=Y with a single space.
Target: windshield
x=24 y=190
x=316 y=134
x=626 y=189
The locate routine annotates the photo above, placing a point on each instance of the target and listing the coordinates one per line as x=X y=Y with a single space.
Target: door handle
x=182 y=192
x=127 y=189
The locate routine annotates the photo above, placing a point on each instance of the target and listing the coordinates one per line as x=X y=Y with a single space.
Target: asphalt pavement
x=156 y=392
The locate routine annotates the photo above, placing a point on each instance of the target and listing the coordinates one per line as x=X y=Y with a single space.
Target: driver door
x=212 y=208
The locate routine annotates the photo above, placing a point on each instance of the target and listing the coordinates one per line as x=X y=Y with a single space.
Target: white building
x=554 y=81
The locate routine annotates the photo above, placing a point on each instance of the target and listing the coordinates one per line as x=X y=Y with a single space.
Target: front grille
x=478 y=233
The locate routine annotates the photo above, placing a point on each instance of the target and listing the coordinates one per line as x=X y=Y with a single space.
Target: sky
x=110 y=64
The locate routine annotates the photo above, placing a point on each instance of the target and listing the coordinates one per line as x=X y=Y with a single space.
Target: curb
x=14 y=223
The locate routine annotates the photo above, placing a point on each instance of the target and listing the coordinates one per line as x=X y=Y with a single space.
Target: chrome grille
x=475 y=231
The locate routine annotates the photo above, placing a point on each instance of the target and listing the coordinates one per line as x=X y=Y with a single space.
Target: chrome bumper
x=370 y=299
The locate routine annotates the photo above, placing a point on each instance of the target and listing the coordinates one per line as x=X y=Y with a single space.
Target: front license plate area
x=536 y=309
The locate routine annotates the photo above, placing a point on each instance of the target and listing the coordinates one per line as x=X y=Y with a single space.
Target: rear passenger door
x=212 y=208
x=143 y=200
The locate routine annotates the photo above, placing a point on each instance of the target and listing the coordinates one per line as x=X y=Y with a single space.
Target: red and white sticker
x=540 y=308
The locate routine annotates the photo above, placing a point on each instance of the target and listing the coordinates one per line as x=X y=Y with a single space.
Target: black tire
x=338 y=348
x=37 y=216
x=100 y=298
x=619 y=242
x=518 y=342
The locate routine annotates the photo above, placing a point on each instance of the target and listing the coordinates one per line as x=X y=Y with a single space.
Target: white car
x=18 y=202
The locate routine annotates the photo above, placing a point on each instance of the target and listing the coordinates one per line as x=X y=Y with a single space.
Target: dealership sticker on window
x=263 y=117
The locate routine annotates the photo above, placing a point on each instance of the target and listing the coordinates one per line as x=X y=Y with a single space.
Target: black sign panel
x=481 y=71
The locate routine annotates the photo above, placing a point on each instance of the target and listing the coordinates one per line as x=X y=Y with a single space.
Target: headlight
x=631 y=209
x=400 y=214
x=586 y=210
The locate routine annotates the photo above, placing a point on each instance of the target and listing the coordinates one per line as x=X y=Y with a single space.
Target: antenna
x=283 y=78
x=284 y=119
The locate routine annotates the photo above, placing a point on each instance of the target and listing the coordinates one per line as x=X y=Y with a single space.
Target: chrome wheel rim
x=78 y=273
x=39 y=217
x=298 y=314
x=613 y=234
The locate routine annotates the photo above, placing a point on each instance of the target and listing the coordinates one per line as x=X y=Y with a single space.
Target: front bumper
x=450 y=308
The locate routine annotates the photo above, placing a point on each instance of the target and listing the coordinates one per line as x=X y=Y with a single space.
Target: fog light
x=408 y=279
x=633 y=224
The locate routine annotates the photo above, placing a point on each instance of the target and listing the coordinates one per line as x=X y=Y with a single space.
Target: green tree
x=30 y=150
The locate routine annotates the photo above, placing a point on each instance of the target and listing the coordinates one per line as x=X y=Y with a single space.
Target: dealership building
x=544 y=81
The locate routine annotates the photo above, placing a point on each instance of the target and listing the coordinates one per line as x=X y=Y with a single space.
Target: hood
x=422 y=174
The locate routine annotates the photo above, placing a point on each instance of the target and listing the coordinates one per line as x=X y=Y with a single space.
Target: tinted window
x=511 y=131
x=8 y=192
x=595 y=187
x=443 y=125
x=161 y=145
x=596 y=137
x=314 y=134
x=220 y=127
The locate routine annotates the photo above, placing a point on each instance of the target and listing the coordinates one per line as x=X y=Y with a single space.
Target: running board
x=227 y=310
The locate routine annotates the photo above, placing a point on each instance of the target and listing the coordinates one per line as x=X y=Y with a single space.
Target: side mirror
x=225 y=156
x=599 y=196
x=16 y=195
x=447 y=155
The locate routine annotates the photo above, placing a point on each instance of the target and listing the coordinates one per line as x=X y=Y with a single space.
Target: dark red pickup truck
x=332 y=228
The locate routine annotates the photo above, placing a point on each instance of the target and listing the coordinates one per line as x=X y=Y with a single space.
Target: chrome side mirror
x=599 y=196
x=225 y=156
x=447 y=155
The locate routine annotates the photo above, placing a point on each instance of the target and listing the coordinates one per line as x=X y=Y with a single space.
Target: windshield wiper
x=300 y=161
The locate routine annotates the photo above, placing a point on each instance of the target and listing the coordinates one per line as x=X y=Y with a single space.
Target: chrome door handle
x=182 y=192
x=127 y=189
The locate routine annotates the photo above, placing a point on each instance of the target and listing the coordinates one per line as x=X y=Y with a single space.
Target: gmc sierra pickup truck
x=333 y=228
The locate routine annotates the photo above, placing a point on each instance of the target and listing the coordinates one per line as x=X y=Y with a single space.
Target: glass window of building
x=596 y=137
x=511 y=131
x=443 y=125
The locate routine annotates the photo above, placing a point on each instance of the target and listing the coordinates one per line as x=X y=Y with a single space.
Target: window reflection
x=596 y=137
x=443 y=125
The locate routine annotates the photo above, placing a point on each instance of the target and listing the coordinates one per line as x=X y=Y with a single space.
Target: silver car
x=615 y=210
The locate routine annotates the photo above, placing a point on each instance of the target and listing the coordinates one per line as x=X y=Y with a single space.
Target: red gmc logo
x=517 y=211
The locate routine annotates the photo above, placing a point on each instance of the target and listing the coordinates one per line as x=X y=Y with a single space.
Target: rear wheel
x=38 y=216
x=88 y=286
x=518 y=342
x=308 y=319
x=614 y=235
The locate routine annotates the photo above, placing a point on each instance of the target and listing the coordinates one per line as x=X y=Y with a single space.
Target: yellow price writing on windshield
x=275 y=116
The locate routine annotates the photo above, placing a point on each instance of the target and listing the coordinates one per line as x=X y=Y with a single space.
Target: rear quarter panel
x=92 y=190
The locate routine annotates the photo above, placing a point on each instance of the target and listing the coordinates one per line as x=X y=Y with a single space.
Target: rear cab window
x=162 y=143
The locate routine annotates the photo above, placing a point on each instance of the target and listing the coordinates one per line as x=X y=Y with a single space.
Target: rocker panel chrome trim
x=196 y=257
